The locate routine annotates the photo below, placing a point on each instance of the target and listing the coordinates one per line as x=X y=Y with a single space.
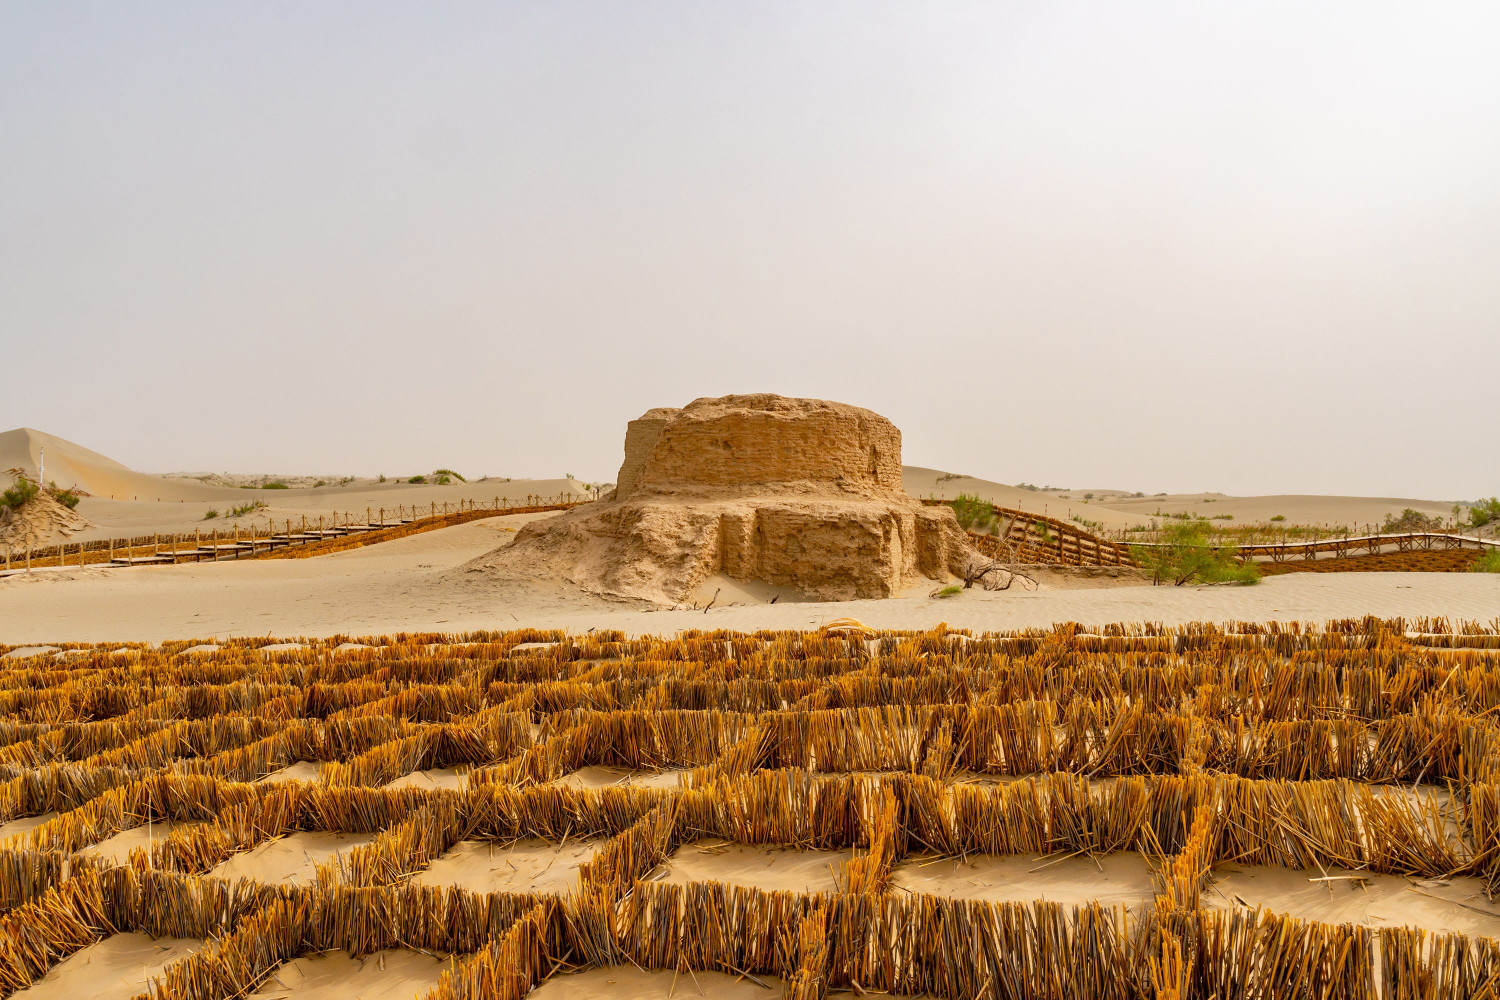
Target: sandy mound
x=799 y=493
x=72 y=465
x=40 y=521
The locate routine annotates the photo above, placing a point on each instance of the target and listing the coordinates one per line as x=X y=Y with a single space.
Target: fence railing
x=1341 y=547
x=266 y=535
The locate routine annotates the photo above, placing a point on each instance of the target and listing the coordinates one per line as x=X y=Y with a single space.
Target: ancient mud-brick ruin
x=797 y=493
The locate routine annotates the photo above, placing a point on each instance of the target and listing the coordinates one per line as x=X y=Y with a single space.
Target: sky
x=1151 y=246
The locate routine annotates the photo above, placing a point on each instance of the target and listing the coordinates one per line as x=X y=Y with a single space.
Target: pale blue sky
x=1159 y=246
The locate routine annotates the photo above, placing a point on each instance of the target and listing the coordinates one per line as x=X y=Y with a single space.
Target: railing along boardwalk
x=305 y=536
x=1037 y=538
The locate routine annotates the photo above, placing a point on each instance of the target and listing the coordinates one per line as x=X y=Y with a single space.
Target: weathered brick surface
x=797 y=493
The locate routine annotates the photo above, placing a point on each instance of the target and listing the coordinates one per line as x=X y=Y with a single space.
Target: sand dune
x=923 y=483
x=1295 y=508
x=69 y=464
x=123 y=502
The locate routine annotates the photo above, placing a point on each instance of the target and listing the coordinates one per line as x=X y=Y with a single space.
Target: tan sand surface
x=769 y=867
x=290 y=860
x=529 y=865
x=595 y=776
x=451 y=778
x=1110 y=879
x=1296 y=508
x=24 y=824
x=1355 y=897
x=116 y=849
x=618 y=982
x=924 y=483
x=302 y=770
x=394 y=974
x=407 y=585
x=117 y=968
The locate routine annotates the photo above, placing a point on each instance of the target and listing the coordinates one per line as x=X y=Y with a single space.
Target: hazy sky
x=1156 y=246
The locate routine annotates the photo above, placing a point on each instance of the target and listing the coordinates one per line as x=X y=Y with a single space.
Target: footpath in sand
x=413 y=584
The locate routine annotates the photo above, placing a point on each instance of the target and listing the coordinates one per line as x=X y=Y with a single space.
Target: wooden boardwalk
x=237 y=542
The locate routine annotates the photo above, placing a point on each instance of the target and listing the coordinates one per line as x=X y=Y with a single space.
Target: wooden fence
x=1037 y=538
x=305 y=535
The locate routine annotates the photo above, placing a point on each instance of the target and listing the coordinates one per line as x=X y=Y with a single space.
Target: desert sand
x=770 y=867
x=122 y=502
x=117 y=968
x=1110 y=879
x=23 y=824
x=393 y=974
x=623 y=982
x=595 y=776
x=413 y=584
x=116 y=850
x=301 y=770
x=1340 y=895
x=529 y=865
x=292 y=859
x=450 y=778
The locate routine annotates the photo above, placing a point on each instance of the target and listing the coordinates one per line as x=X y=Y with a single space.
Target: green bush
x=274 y=486
x=23 y=490
x=381 y=479
x=68 y=498
x=1482 y=512
x=246 y=509
x=952 y=590
x=974 y=513
x=1489 y=562
x=210 y=514
x=417 y=479
x=1278 y=517
x=1186 y=556
x=445 y=473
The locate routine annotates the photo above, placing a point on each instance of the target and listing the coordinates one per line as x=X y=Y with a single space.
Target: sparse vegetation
x=21 y=491
x=1278 y=517
x=1409 y=520
x=68 y=498
x=274 y=486
x=210 y=514
x=974 y=513
x=444 y=475
x=1482 y=512
x=1489 y=562
x=950 y=476
x=381 y=479
x=248 y=508
x=417 y=479
x=1188 y=555
x=952 y=590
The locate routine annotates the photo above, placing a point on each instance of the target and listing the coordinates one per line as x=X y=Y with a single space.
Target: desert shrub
x=320 y=482
x=1489 y=562
x=1409 y=520
x=952 y=590
x=23 y=490
x=417 y=479
x=974 y=513
x=1186 y=555
x=1278 y=517
x=381 y=479
x=448 y=473
x=210 y=514
x=1482 y=512
x=248 y=508
x=68 y=498
x=274 y=486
